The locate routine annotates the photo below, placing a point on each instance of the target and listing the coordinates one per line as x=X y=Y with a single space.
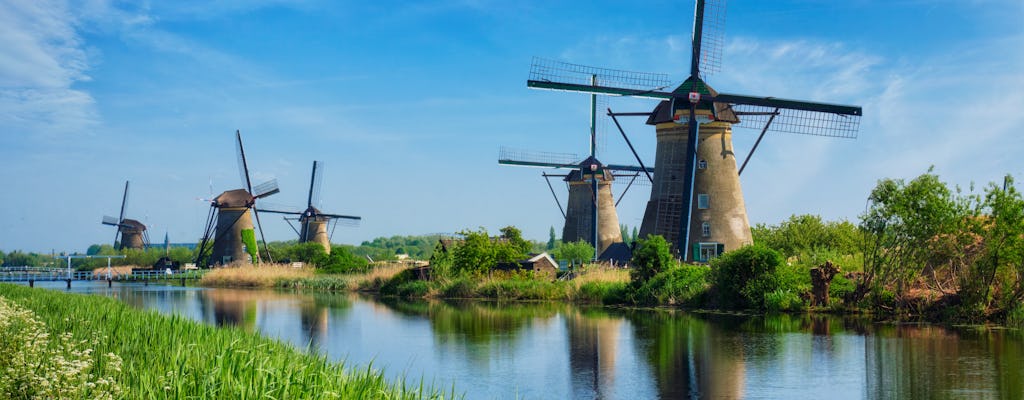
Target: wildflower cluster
x=37 y=366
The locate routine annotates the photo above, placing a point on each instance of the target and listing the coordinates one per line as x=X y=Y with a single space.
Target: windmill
x=229 y=220
x=696 y=185
x=132 y=232
x=590 y=210
x=313 y=224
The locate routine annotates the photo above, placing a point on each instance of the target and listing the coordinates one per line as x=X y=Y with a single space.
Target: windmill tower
x=696 y=200
x=131 y=232
x=314 y=224
x=590 y=209
x=229 y=229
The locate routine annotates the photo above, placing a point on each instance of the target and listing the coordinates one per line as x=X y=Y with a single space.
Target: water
x=557 y=351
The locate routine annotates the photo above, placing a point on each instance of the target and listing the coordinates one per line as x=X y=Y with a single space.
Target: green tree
x=651 y=256
x=551 y=239
x=806 y=233
x=475 y=255
x=999 y=224
x=903 y=222
x=575 y=253
x=624 y=232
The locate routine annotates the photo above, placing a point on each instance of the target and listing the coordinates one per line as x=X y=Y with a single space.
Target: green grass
x=174 y=357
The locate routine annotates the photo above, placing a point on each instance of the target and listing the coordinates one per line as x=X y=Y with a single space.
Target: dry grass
x=601 y=274
x=263 y=276
x=114 y=271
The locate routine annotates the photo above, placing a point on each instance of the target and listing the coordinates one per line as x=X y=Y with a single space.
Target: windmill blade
x=345 y=221
x=265 y=189
x=243 y=168
x=558 y=75
x=315 y=182
x=124 y=201
x=799 y=121
x=712 y=34
x=256 y=213
x=281 y=212
x=629 y=168
x=338 y=216
x=543 y=159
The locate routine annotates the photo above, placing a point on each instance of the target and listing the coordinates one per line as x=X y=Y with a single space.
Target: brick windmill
x=313 y=223
x=696 y=200
x=590 y=213
x=229 y=232
x=132 y=232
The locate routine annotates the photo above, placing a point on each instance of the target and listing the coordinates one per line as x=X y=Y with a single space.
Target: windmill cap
x=234 y=198
x=132 y=224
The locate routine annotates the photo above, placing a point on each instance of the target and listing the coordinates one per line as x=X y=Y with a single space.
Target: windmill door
x=707 y=251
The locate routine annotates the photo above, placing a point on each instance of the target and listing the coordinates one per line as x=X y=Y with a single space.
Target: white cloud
x=41 y=60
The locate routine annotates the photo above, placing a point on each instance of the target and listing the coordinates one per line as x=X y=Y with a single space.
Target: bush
x=840 y=289
x=679 y=285
x=742 y=277
x=652 y=256
x=603 y=292
x=783 y=300
x=391 y=286
x=460 y=288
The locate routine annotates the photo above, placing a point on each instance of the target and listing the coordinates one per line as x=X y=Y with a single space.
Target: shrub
x=679 y=285
x=652 y=255
x=602 y=292
x=742 y=277
x=840 y=289
x=460 y=288
x=392 y=287
x=783 y=300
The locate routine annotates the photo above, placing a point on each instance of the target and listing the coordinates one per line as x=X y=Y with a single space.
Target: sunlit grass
x=367 y=281
x=174 y=357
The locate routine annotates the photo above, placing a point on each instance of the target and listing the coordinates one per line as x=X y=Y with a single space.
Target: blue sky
x=408 y=103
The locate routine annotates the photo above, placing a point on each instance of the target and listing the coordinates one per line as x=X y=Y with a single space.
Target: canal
x=558 y=351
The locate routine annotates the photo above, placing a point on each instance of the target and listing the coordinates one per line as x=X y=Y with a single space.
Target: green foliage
x=442 y=263
x=341 y=259
x=552 y=241
x=575 y=253
x=519 y=286
x=18 y=258
x=475 y=255
x=395 y=285
x=783 y=300
x=460 y=288
x=841 y=288
x=678 y=285
x=603 y=292
x=386 y=248
x=902 y=223
x=743 y=276
x=651 y=257
x=805 y=233
x=249 y=240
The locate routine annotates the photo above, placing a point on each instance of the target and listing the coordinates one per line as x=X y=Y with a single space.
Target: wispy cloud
x=42 y=58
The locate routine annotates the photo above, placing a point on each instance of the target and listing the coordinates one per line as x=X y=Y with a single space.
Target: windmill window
x=703 y=201
x=705 y=229
x=702 y=164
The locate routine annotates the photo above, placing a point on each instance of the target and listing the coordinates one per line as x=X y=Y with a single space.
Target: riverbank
x=81 y=346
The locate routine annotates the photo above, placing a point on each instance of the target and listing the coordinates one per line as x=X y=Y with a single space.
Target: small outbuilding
x=541 y=264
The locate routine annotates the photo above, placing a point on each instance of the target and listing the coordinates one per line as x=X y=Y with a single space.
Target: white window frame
x=702 y=164
x=705 y=229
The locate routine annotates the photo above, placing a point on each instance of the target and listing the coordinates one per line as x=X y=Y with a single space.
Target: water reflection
x=549 y=350
x=593 y=345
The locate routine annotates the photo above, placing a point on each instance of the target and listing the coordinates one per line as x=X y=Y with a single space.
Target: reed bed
x=369 y=281
x=251 y=276
x=147 y=355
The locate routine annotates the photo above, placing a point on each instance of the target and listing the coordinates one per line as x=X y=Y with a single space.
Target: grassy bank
x=593 y=284
x=286 y=277
x=59 y=345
